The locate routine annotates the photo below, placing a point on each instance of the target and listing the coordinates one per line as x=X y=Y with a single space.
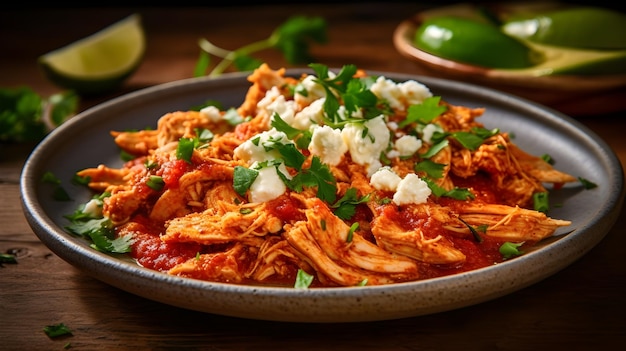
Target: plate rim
x=106 y=269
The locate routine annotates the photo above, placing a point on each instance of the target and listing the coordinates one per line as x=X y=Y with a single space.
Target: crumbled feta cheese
x=411 y=190
x=212 y=112
x=93 y=208
x=414 y=92
x=253 y=149
x=314 y=113
x=267 y=185
x=328 y=144
x=407 y=145
x=314 y=90
x=385 y=179
x=366 y=149
x=400 y=95
x=429 y=130
x=388 y=90
x=286 y=109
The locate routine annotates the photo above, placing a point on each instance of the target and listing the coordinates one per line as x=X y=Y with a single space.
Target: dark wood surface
x=580 y=308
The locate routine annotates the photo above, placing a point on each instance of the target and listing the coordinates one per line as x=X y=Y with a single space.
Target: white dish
x=84 y=142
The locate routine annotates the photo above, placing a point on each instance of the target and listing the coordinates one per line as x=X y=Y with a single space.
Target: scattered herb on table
x=56 y=330
x=26 y=116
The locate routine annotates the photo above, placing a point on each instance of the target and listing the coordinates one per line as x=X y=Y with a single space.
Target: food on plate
x=328 y=179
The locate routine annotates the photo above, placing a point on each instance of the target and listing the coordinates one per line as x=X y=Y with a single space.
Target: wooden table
x=581 y=307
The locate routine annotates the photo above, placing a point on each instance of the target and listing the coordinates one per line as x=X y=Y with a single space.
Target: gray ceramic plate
x=85 y=142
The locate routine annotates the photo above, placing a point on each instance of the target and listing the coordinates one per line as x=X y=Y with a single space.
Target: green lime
x=474 y=42
x=99 y=62
x=578 y=27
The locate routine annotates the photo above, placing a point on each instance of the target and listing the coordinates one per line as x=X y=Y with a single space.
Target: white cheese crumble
x=411 y=190
x=253 y=149
x=314 y=113
x=328 y=144
x=267 y=185
x=93 y=208
x=385 y=179
x=366 y=148
x=429 y=130
x=400 y=95
x=314 y=90
x=407 y=145
x=212 y=112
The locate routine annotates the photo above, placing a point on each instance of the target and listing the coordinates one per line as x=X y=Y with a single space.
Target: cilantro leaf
x=345 y=207
x=303 y=280
x=423 y=113
x=56 y=330
x=302 y=138
x=293 y=37
x=317 y=175
x=541 y=202
x=243 y=178
x=456 y=193
x=184 y=150
x=509 y=249
x=25 y=116
x=432 y=169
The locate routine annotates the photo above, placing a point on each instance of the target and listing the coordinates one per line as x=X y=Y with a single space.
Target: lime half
x=580 y=27
x=99 y=62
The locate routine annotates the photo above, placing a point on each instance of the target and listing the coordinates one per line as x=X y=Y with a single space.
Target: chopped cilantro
x=100 y=230
x=548 y=159
x=345 y=207
x=155 y=182
x=7 y=258
x=56 y=330
x=243 y=178
x=433 y=150
x=302 y=138
x=303 y=280
x=456 y=193
x=184 y=150
x=509 y=249
x=353 y=228
x=58 y=192
x=432 y=169
x=317 y=175
x=587 y=184
x=423 y=113
x=540 y=202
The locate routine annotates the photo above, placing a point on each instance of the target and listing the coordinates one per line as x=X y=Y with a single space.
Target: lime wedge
x=100 y=62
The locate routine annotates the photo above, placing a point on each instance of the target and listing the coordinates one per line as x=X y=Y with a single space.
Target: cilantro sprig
x=344 y=88
x=292 y=39
x=98 y=229
x=26 y=116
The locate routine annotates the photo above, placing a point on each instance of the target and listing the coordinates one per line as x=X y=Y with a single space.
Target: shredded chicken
x=202 y=205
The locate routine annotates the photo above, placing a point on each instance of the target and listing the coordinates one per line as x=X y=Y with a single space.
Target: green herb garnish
x=292 y=38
